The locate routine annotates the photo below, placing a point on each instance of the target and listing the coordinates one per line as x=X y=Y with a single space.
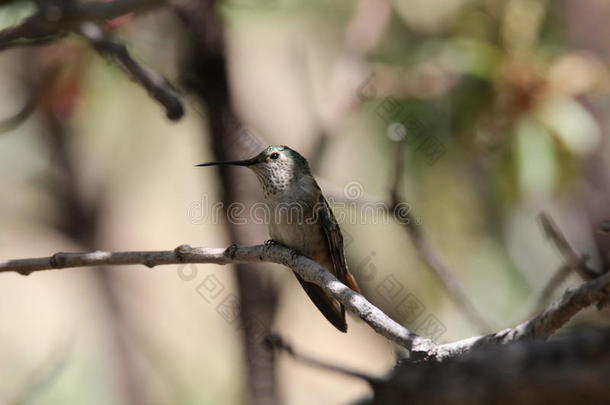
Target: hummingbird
x=301 y=219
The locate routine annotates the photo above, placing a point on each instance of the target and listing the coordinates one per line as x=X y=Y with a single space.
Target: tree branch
x=541 y=326
x=306 y=268
x=420 y=348
x=56 y=19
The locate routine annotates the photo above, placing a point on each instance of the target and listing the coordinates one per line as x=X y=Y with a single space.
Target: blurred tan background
x=515 y=91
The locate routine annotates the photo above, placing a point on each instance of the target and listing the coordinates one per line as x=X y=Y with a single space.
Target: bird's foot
x=230 y=251
x=271 y=242
x=293 y=252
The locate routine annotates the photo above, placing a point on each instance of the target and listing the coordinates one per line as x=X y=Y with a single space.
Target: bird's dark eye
x=274 y=155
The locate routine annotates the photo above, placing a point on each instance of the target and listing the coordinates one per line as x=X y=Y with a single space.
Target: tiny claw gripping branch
x=271 y=242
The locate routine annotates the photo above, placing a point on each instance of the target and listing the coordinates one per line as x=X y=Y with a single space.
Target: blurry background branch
x=275 y=342
x=56 y=19
x=35 y=93
x=205 y=73
x=156 y=85
x=574 y=264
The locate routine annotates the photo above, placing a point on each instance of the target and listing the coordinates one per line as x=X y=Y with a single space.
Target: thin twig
x=573 y=262
x=572 y=259
x=54 y=21
x=156 y=85
x=547 y=292
x=11 y=123
x=35 y=95
x=275 y=342
x=440 y=269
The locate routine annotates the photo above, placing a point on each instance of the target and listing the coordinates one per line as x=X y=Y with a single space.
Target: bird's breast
x=296 y=226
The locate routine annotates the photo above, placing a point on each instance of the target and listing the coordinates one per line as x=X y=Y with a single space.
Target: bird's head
x=276 y=167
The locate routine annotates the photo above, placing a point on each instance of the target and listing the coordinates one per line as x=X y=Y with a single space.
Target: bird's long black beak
x=247 y=162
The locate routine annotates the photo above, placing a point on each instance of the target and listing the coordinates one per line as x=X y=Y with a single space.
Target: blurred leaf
x=468 y=56
x=12 y=13
x=574 y=125
x=428 y=15
x=536 y=159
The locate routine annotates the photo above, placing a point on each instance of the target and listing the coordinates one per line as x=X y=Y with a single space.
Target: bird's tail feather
x=351 y=282
x=332 y=310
